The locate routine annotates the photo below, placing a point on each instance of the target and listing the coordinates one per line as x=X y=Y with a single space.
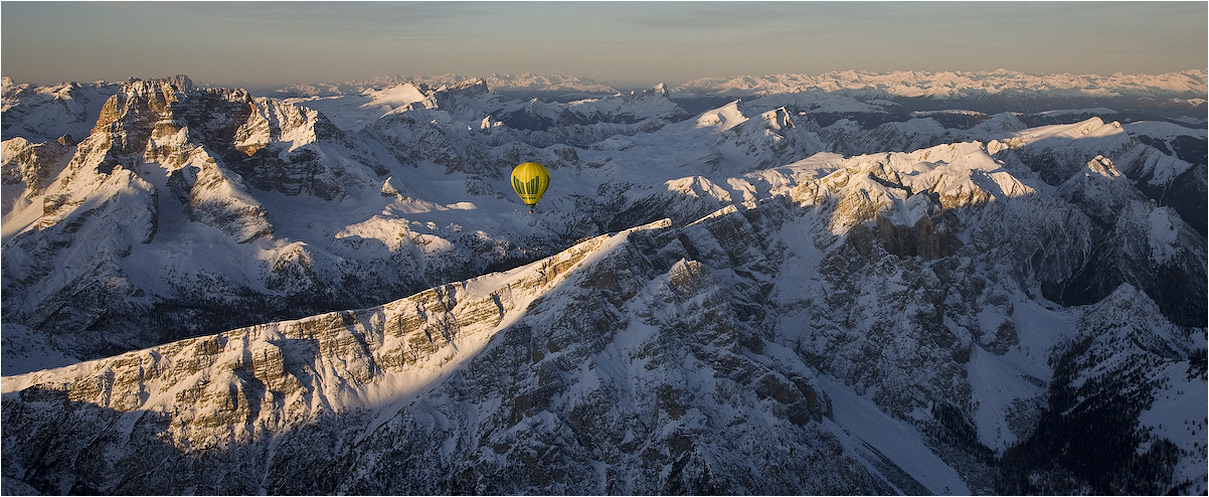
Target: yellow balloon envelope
x=530 y=181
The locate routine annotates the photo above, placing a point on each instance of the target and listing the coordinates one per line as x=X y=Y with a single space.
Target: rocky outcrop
x=28 y=168
x=276 y=149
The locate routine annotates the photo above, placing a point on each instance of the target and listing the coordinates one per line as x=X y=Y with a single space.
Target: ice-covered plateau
x=336 y=293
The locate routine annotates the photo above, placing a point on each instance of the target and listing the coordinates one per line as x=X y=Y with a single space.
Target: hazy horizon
x=260 y=45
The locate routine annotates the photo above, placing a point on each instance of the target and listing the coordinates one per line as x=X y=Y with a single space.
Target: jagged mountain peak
x=777 y=119
x=476 y=86
x=180 y=82
x=732 y=114
x=1103 y=166
x=658 y=91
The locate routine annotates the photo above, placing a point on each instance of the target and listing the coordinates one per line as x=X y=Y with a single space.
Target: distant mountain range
x=1190 y=84
x=940 y=85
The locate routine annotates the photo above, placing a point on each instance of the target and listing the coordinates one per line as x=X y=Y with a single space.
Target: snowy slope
x=353 y=112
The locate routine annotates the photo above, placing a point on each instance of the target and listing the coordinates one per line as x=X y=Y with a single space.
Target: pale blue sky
x=253 y=44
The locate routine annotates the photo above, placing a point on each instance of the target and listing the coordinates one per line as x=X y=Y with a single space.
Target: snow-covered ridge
x=304 y=368
x=904 y=187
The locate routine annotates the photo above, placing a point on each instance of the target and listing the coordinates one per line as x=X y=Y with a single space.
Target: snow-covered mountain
x=338 y=293
x=42 y=113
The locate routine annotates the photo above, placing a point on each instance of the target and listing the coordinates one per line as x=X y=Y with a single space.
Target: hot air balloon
x=530 y=181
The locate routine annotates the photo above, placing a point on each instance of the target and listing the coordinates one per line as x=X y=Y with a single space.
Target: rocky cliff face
x=30 y=167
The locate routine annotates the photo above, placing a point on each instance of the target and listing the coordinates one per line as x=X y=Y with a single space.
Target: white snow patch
x=861 y=426
x=1091 y=128
x=1076 y=112
x=1039 y=330
x=1163 y=235
x=723 y=118
x=947 y=112
x=997 y=386
x=394 y=97
x=698 y=187
x=1164 y=130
